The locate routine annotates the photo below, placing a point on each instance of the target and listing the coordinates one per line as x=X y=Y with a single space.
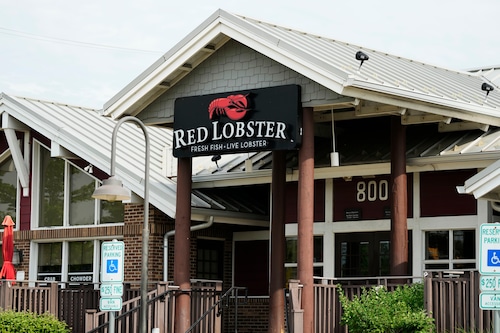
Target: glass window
x=80 y=262
x=365 y=254
x=8 y=188
x=76 y=207
x=81 y=209
x=51 y=190
x=354 y=258
x=210 y=259
x=464 y=244
x=49 y=261
x=291 y=249
x=440 y=244
x=436 y=243
x=384 y=258
x=111 y=211
x=291 y=257
x=71 y=262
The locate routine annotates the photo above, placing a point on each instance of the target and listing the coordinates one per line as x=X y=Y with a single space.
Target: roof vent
x=361 y=56
x=486 y=87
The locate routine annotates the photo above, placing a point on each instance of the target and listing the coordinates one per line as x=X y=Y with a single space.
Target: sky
x=84 y=52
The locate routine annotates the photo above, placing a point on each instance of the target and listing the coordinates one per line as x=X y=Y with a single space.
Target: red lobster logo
x=233 y=106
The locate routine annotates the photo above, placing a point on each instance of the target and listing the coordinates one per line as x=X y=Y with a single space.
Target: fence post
x=218 y=319
x=89 y=319
x=54 y=299
x=297 y=311
x=5 y=295
x=428 y=293
x=160 y=307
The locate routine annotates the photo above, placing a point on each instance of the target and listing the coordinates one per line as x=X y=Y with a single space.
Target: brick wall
x=252 y=317
x=159 y=224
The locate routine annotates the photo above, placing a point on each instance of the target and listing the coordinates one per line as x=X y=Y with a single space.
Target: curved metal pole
x=145 y=228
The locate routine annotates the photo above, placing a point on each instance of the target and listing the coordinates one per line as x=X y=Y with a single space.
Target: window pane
x=49 y=261
x=111 y=211
x=437 y=266
x=81 y=257
x=290 y=273
x=291 y=249
x=354 y=259
x=464 y=244
x=81 y=210
x=436 y=243
x=384 y=258
x=318 y=248
x=51 y=190
x=210 y=261
x=8 y=188
x=464 y=266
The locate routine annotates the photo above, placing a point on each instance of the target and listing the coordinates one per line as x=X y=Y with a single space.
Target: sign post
x=112 y=271
x=489 y=267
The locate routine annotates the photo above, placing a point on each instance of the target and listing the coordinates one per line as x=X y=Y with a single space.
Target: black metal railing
x=232 y=294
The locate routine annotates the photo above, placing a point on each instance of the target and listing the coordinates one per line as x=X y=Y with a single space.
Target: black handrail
x=286 y=295
x=224 y=298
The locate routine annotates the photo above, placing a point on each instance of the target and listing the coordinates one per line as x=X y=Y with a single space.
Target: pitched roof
x=87 y=134
x=384 y=78
x=485 y=184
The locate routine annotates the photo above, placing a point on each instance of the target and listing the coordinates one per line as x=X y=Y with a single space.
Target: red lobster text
x=233 y=106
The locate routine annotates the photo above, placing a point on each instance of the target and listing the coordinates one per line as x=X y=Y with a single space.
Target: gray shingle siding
x=236 y=67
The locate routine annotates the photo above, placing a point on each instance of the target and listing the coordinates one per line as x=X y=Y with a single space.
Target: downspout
x=172 y=233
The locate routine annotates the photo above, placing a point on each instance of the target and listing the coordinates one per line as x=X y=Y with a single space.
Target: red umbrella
x=8 y=271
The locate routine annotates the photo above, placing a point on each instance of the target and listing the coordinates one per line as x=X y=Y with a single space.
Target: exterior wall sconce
x=17 y=257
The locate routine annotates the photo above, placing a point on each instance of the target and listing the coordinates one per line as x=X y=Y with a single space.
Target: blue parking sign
x=112 y=266
x=493 y=257
x=112 y=254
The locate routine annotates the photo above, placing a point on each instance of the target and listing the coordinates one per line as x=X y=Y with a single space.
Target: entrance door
x=364 y=254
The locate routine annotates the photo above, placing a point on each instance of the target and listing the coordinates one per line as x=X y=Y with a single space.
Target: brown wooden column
x=306 y=219
x=182 y=245
x=277 y=253
x=399 y=202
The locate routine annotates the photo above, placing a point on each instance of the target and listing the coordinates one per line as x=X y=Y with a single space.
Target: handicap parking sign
x=494 y=257
x=112 y=266
x=489 y=249
x=112 y=255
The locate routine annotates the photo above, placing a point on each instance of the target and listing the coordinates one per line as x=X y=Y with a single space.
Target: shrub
x=377 y=310
x=29 y=322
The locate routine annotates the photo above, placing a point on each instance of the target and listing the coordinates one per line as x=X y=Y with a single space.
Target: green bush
x=377 y=310
x=28 y=322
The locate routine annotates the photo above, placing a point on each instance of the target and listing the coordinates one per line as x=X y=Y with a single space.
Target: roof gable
x=383 y=78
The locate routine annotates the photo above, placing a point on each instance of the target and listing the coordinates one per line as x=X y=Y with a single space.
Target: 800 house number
x=372 y=190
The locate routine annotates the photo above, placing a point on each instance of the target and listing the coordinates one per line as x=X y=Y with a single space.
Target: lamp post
x=112 y=190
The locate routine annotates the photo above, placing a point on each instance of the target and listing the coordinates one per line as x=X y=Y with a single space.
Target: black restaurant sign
x=240 y=121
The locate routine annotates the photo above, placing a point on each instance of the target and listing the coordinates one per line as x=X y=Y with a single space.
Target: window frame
x=36 y=192
x=3 y=157
x=450 y=261
x=293 y=265
x=65 y=274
